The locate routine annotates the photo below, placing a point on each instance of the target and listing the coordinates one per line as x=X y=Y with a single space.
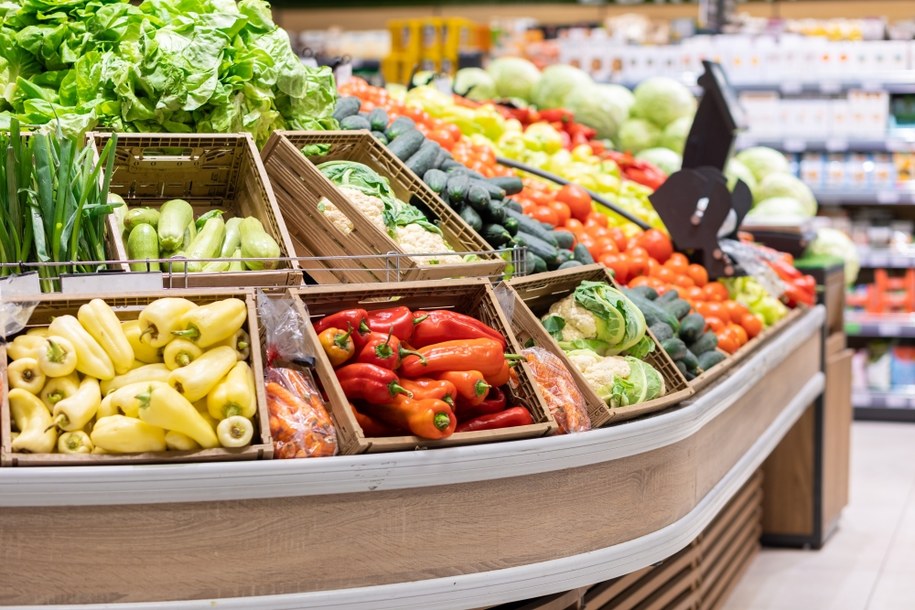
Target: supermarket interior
x=465 y=304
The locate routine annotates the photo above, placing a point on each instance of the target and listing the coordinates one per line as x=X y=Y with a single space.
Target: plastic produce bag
x=559 y=390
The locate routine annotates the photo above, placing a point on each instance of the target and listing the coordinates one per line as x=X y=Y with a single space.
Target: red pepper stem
x=342 y=341
x=409 y=352
x=481 y=388
x=419 y=319
x=395 y=388
x=363 y=327
x=514 y=357
x=441 y=421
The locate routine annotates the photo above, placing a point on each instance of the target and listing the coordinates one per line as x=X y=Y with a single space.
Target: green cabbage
x=663 y=100
x=637 y=135
x=762 y=161
x=601 y=107
x=783 y=209
x=474 y=84
x=675 y=134
x=832 y=242
x=665 y=159
x=557 y=84
x=735 y=170
x=513 y=77
x=786 y=185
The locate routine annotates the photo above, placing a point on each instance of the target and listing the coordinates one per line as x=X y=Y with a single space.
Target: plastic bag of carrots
x=559 y=390
x=299 y=422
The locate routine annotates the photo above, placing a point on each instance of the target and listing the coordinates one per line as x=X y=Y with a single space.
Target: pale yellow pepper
x=75 y=412
x=147 y=372
x=37 y=433
x=122 y=434
x=195 y=380
x=142 y=351
x=103 y=325
x=166 y=408
x=25 y=374
x=234 y=395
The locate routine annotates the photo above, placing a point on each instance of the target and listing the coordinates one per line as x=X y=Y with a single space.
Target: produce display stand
x=457 y=527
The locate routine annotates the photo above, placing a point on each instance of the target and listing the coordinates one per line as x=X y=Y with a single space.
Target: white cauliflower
x=600 y=372
x=579 y=322
x=582 y=359
x=370 y=207
x=413 y=238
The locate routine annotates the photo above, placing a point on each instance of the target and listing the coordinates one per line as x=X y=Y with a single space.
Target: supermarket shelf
x=888 y=144
x=890 y=326
x=883 y=400
x=872 y=258
x=852 y=197
x=901 y=83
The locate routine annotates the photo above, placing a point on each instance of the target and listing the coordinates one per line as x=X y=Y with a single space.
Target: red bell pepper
x=484 y=355
x=370 y=426
x=398 y=321
x=373 y=384
x=440 y=325
x=495 y=401
x=348 y=319
x=427 y=418
x=516 y=416
x=384 y=350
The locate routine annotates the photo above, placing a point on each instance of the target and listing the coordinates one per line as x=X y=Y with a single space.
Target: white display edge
x=208 y=482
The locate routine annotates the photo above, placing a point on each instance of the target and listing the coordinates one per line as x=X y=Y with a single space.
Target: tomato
x=543 y=213
x=603 y=245
x=642 y=280
x=562 y=212
x=698 y=274
x=574 y=225
x=653 y=266
x=639 y=253
x=711 y=309
x=716 y=325
x=739 y=333
x=716 y=291
x=618 y=264
x=578 y=200
x=665 y=274
x=736 y=311
x=443 y=137
x=727 y=341
x=683 y=281
x=596 y=218
x=677 y=261
x=751 y=323
x=638 y=265
x=657 y=244
x=617 y=234
x=693 y=294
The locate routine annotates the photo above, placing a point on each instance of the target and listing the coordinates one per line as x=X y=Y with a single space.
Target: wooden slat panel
x=788 y=487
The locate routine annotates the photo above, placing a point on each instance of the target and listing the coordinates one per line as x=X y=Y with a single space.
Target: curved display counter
x=462 y=527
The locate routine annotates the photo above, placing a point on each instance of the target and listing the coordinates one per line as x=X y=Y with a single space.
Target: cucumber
x=539 y=265
x=532 y=227
x=691 y=362
x=661 y=332
x=691 y=327
x=423 y=159
x=646 y=292
x=511 y=225
x=233 y=238
x=143 y=243
x=511 y=204
x=492 y=191
x=510 y=184
x=545 y=250
x=450 y=165
x=399 y=126
x=681 y=367
x=709 y=359
x=670 y=295
x=406 y=144
x=174 y=217
x=141 y=216
x=678 y=308
x=704 y=344
x=346 y=106
x=689 y=375
x=564 y=239
x=355 y=122
x=495 y=234
x=562 y=256
x=207 y=244
x=472 y=219
x=569 y=264
x=378 y=119
x=379 y=135
x=457 y=187
x=460 y=169
x=436 y=180
x=441 y=158
x=494 y=212
x=257 y=243
x=203 y=218
x=478 y=198
x=675 y=348
x=652 y=312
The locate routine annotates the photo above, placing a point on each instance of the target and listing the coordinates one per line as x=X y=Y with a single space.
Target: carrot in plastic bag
x=559 y=390
x=299 y=423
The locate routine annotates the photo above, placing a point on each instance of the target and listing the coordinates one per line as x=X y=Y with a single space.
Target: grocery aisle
x=869 y=563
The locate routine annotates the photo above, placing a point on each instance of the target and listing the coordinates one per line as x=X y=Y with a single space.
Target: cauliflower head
x=580 y=323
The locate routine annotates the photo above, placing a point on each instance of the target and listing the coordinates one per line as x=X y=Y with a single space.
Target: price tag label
x=887 y=329
x=871 y=86
x=901 y=262
x=898 y=146
x=879 y=260
x=888 y=197
x=830 y=87
x=852 y=328
x=791 y=87
x=794 y=145
x=836 y=145
x=896 y=402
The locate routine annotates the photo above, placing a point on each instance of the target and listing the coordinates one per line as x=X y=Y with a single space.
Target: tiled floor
x=869 y=563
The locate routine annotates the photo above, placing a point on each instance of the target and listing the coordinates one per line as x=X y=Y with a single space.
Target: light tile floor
x=869 y=563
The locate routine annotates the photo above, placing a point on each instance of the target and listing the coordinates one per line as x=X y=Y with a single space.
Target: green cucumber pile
x=172 y=232
x=483 y=203
x=682 y=334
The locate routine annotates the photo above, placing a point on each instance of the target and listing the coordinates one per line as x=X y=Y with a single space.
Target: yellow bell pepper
x=124 y=399
x=74 y=442
x=235 y=431
x=195 y=380
x=234 y=395
x=73 y=413
x=122 y=434
x=147 y=372
x=59 y=388
x=240 y=342
x=40 y=331
x=91 y=359
x=102 y=323
x=201 y=406
x=143 y=352
x=57 y=357
x=166 y=408
x=180 y=352
x=37 y=433
x=160 y=318
x=25 y=374
x=212 y=323
x=176 y=441
x=25 y=346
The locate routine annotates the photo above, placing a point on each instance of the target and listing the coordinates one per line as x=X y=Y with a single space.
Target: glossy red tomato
x=578 y=200
x=657 y=244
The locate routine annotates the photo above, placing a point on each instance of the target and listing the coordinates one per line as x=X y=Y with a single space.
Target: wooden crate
x=535 y=295
x=209 y=171
x=128 y=308
x=473 y=297
x=299 y=186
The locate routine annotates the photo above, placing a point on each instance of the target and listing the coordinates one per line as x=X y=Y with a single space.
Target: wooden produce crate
x=128 y=308
x=535 y=295
x=221 y=171
x=299 y=186
x=473 y=297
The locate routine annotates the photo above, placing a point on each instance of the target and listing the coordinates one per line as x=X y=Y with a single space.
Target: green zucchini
x=472 y=219
x=478 y=197
x=562 y=256
x=143 y=243
x=652 y=312
x=494 y=211
x=675 y=348
x=691 y=361
x=512 y=185
x=678 y=308
x=406 y=144
x=346 y=106
x=355 y=122
x=495 y=235
x=457 y=187
x=692 y=327
x=510 y=224
x=670 y=295
x=378 y=119
x=709 y=359
x=233 y=238
x=450 y=165
x=174 y=217
x=661 y=331
x=257 y=243
x=203 y=218
x=569 y=264
x=564 y=239
x=436 y=180
x=532 y=227
x=461 y=169
x=400 y=125
x=545 y=250
x=379 y=135
x=539 y=265
x=511 y=204
x=681 y=367
x=141 y=216
x=236 y=264
x=493 y=191
x=423 y=159
x=646 y=292
x=207 y=244
x=441 y=158
x=707 y=342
